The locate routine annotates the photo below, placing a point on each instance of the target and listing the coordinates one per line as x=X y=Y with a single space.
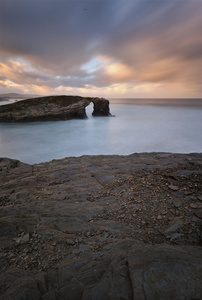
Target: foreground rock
x=52 y=108
x=102 y=227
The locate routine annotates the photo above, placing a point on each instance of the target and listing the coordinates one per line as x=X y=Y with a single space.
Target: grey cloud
x=54 y=34
x=60 y=36
x=36 y=77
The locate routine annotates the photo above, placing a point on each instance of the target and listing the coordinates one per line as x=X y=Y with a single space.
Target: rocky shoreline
x=102 y=227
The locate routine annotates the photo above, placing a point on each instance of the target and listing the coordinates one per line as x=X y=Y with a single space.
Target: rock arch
x=53 y=108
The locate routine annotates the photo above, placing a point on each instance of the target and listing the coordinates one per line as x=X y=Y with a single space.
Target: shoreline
x=101 y=155
x=63 y=219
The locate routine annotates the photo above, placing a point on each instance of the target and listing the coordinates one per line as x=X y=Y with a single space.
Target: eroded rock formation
x=52 y=108
x=101 y=107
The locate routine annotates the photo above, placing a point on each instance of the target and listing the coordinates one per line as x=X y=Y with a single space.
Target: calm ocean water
x=146 y=125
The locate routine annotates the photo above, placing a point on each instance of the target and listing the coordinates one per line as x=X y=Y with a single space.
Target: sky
x=104 y=48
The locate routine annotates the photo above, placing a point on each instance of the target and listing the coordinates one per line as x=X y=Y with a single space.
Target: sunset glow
x=101 y=48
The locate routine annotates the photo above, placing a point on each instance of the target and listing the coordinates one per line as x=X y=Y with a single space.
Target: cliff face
x=52 y=108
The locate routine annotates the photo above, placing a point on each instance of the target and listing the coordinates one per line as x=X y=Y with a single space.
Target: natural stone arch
x=53 y=108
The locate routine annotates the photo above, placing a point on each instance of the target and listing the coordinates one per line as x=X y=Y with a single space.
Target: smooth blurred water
x=135 y=128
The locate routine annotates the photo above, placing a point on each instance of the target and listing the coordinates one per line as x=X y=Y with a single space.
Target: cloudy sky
x=109 y=48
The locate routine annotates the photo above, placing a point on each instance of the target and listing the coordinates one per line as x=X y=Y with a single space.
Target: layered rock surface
x=52 y=108
x=102 y=227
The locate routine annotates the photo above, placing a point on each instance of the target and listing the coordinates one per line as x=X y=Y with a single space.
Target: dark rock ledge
x=102 y=227
x=52 y=108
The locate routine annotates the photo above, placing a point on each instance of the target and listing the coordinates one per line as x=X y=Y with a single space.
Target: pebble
x=24 y=239
x=175 y=236
x=195 y=205
x=172 y=211
x=70 y=242
x=173 y=187
x=48 y=192
x=177 y=203
x=174 y=225
x=198 y=213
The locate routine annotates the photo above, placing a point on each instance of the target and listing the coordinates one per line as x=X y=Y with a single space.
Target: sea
x=137 y=125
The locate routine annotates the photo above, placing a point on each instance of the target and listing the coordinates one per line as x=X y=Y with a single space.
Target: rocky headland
x=52 y=108
x=102 y=227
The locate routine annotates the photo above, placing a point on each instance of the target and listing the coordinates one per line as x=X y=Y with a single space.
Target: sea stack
x=101 y=107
